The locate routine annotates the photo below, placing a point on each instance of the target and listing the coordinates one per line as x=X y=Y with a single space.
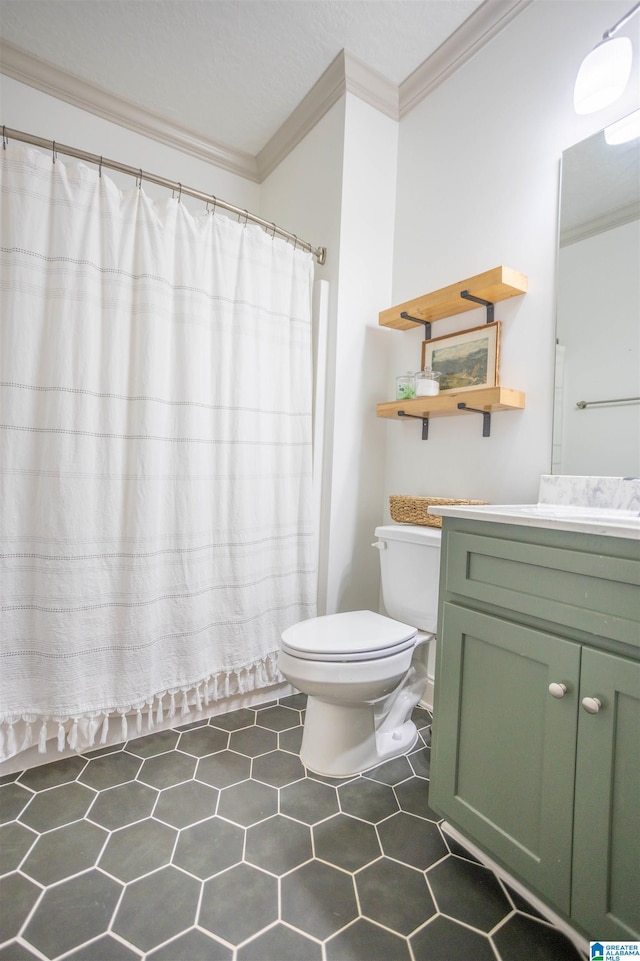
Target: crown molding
x=597 y=225
x=346 y=74
x=483 y=25
x=44 y=76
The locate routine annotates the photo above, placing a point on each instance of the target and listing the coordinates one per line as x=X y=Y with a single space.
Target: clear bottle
x=427 y=382
x=406 y=386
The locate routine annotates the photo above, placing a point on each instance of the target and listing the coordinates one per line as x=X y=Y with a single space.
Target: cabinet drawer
x=587 y=592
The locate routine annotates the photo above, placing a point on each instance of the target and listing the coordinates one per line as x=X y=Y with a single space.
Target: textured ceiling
x=231 y=71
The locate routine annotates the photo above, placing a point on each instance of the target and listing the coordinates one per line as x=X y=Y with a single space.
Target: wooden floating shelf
x=441 y=405
x=494 y=285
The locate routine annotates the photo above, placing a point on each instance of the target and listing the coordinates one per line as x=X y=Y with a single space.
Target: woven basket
x=415 y=510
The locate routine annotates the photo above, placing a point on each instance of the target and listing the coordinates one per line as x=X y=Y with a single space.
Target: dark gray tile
x=394 y=895
x=469 y=893
x=458 y=849
x=152 y=744
x=445 y=940
x=186 y=803
x=157 y=908
x=239 y=903
x=64 y=852
x=368 y=800
x=297 y=701
x=124 y=804
x=15 y=952
x=15 y=841
x=248 y=802
x=413 y=796
x=318 y=899
x=193 y=945
x=277 y=768
x=309 y=801
x=411 y=840
x=104 y=949
x=209 y=847
x=278 y=718
x=346 y=842
x=362 y=939
x=13 y=800
x=391 y=772
x=253 y=741
x=57 y=806
x=280 y=943
x=221 y=770
x=291 y=740
x=109 y=770
x=234 y=720
x=138 y=849
x=420 y=761
x=165 y=770
x=525 y=939
x=278 y=845
x=520 y=903
x=72 y=913
x=422 y=718
x=203 y=741
x=51 y=775
x=17 y=896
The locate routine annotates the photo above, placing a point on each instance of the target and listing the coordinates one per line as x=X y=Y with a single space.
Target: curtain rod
x=320 y=253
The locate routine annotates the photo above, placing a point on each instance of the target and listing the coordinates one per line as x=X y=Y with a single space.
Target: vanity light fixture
x=604 y=72
x=623 y=130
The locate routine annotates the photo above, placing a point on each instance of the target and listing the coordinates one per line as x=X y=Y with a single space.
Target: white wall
x=31 y=111
x=478 y=178
x=338 y=185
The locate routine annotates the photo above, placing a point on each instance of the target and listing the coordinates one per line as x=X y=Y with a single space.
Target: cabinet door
x=503 y=755
x=606 y=891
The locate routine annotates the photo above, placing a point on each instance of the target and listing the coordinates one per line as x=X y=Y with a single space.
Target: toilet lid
x=352 y=636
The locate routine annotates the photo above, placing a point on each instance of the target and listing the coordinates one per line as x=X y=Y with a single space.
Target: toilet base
x=339 y=740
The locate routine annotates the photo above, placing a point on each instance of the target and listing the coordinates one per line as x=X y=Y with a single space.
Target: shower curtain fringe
x=81 y=732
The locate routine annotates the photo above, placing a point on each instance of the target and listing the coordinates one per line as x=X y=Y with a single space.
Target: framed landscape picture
x=466 y=360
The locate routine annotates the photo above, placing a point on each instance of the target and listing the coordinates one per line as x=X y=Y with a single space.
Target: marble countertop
x=589 y=520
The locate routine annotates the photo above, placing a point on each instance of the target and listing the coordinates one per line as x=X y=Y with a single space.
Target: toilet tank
x=410 y=570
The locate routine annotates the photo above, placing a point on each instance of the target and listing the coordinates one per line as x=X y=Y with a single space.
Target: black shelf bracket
x=479 y=300
x=425 y=422
x=418 y=320
x=486 y=418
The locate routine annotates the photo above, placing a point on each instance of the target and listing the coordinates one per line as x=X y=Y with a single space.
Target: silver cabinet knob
x=557 y=690
x=591 y=705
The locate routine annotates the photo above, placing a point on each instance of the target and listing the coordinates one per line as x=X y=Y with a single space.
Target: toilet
x=363 y=672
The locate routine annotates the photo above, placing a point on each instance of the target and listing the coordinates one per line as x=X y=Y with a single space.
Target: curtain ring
x=180 y=193
x=215 y=203
x=53 y=150
x=295 y=242
x=139 y=179
x=246 y=218
x=5 y=139
x=100 y=168
x=273 y=235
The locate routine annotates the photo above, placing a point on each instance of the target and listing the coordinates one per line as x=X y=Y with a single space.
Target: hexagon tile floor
x=212 y=842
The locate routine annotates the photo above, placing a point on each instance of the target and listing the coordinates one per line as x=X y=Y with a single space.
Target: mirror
x=596 y=427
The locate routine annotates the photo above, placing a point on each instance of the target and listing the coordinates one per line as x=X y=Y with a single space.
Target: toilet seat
x=348 y=637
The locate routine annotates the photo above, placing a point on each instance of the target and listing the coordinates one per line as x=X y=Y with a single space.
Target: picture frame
x=467 y=360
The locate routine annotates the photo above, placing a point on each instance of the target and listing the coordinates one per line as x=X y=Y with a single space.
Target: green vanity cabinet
x=532 y=622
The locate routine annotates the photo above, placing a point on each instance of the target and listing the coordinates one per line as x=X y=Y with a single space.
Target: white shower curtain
x=156 y=510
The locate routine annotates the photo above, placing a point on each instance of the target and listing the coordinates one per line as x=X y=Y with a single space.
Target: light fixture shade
x=603 y=75
x=623 y=130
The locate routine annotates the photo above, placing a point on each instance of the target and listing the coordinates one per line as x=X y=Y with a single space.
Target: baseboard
x=581 y=943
